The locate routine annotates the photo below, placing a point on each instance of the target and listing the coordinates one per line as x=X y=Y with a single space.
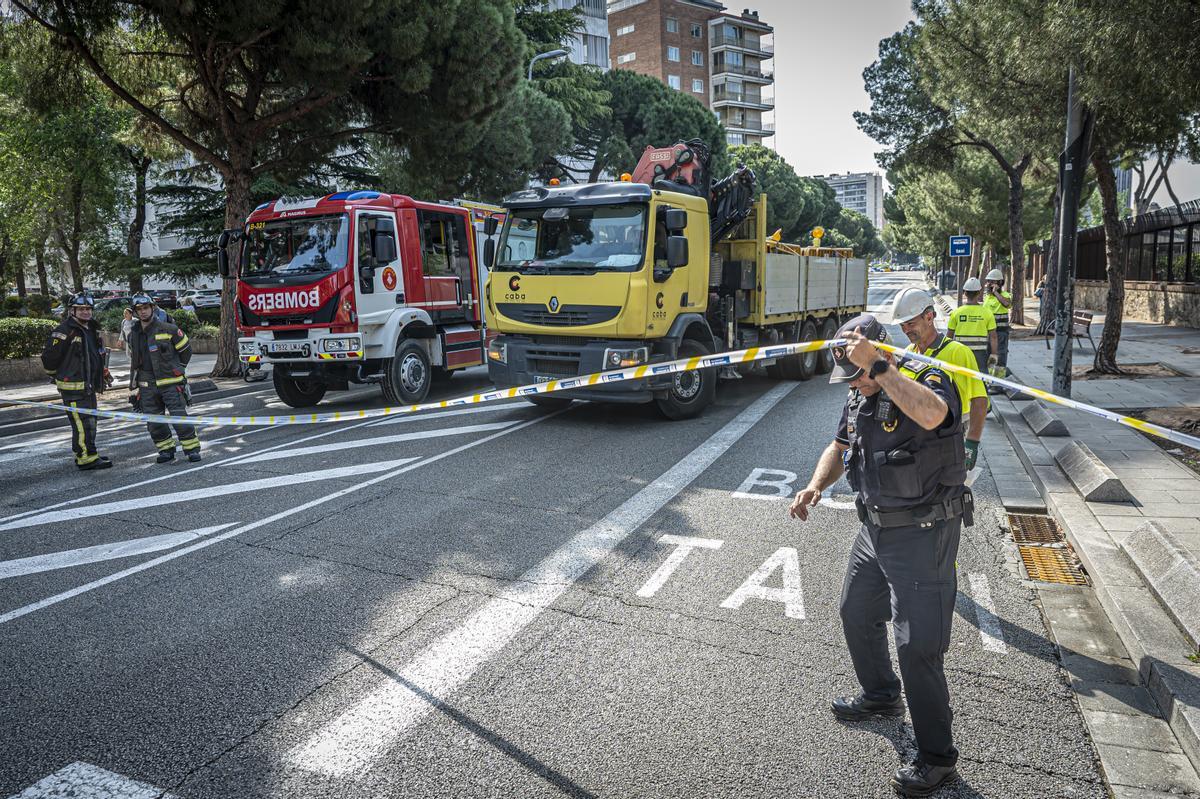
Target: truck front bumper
x=319 y=347
x=531 y=360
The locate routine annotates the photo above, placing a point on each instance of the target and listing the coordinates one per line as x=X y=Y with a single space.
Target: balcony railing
x=724 y=40
x=753 y=98
x=737 y=69
x=749 y=126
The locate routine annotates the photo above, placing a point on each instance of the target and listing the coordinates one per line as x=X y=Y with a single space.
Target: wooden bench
x=1081 y=328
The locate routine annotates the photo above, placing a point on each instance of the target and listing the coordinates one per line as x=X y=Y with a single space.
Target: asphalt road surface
x=497 y=601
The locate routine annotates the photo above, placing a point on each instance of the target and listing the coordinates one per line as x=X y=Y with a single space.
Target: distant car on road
x=201 y=298
x=165 y=298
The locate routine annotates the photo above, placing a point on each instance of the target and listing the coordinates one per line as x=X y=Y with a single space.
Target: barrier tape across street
x=617 y=376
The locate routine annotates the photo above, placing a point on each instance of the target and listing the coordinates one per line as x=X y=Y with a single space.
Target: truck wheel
x=825 y=357
x=406 y=377
x=297 y=393
x=690 y=392
x=804 y=365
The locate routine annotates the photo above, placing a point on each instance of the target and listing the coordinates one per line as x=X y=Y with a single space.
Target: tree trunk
x=137 y=228
x=39 y=258
x=1050 y=268
x=973 y=266
x=1016 y=239
x=1114 y=307
x=68 y=239
x=237 y=208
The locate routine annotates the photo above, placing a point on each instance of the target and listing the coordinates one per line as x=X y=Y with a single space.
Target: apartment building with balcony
x=590 y=45
x=859 y=191
x=696 y=46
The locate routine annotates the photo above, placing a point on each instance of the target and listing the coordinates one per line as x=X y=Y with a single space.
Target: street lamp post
x=540 y=56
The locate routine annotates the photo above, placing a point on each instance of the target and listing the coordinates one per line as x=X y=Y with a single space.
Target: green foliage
x=111 y=319
x=24 y=338
x=38 y=304
x=206 y=331
x=185 y=320
x=11 y=306
x=861 y=234
x=208 y=316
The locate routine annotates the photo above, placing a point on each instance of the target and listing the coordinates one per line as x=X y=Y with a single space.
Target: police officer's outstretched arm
x=916 y=401
x=829 y=469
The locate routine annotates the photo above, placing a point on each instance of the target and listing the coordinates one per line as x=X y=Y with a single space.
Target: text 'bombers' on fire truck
x=660 y=265
x=360 y=287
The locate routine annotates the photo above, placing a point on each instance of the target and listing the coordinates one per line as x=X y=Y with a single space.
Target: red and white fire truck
x=359 y=287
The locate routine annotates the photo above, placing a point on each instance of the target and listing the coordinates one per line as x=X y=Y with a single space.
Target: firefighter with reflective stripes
x=973 y=325
x=74 y=358
x=998 y=301
x=158 y=353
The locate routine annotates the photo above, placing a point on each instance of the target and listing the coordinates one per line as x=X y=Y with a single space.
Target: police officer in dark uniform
x=900 y=443
x=74 y=358
x=158 y=354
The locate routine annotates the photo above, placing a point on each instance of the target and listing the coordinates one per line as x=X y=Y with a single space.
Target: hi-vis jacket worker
x=74 y=357
x=974 y=326
x=900 y=445
x=913 y=310
x=158 y=353
x=998 y=301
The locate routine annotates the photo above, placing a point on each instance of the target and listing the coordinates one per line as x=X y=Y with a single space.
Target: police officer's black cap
x=843 y=370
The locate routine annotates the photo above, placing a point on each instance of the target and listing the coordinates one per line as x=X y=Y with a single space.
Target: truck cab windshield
x=297 y=246
x=605 y=238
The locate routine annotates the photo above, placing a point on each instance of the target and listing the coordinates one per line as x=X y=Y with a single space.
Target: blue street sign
x=960 y=246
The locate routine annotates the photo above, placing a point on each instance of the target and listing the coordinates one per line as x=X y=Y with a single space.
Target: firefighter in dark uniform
x=158 y=353
x=74 y=358
x=900 y=443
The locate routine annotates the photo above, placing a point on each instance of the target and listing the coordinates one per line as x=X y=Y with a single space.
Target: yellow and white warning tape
x=618 y=376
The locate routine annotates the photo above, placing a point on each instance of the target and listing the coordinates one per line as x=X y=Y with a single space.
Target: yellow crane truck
x=657 y=266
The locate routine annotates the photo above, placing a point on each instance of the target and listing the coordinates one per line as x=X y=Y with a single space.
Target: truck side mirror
x=223 y=242
x=489 y=252
x=676 y=220
x=385 y=248
x=223 y=262
x=677 y=251
x=489 y=226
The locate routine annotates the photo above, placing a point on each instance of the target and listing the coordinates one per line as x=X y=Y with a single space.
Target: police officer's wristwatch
x=877 y=368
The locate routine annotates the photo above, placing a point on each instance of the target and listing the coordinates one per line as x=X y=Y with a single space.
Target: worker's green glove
x=972 y=453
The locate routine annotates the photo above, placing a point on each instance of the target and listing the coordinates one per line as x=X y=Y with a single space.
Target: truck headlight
x=247 y=348
x=620 y=358
x=341 y=344
x=498 y=351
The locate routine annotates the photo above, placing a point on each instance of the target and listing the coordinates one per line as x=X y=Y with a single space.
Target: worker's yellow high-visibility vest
x=971 y=325
x=997 y=309
x=951 y=351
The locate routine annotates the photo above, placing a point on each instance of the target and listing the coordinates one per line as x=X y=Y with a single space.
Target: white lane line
x=365 y=732
x=208 y=464
x=494 y=406
x=82 y=780
x=216 y=539
x=377 y=441
x=103 y=552
x=206 y=492
x=985 y=614
x=684 y=544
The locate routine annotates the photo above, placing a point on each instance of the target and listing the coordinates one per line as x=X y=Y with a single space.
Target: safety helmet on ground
x=996 y=275
x=911 y=303
x=972 y=284
x=844 y=369
x=140 y=299
x=81 y=301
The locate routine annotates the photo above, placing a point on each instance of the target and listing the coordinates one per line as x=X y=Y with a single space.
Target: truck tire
x=407 y=376
x=829 y=329
x=804 y=365
x=690 y=392
x=297 y=393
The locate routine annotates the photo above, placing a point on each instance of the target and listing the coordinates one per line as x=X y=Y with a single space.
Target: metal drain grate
x=1029 y=529
x=1051 y=565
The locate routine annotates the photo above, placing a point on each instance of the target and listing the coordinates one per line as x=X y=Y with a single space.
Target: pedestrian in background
x=900 y=444
x=126 y=328
x=973 y=325
x=158 y=354
x=998 y=301
x=1040 y=293
x=74 y=358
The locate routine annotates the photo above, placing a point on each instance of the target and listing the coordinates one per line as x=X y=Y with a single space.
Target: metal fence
x=1162 y=246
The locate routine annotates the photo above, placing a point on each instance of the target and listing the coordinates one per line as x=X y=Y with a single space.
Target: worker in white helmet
x=974 y=325
x=913 y=311
x=998 y=301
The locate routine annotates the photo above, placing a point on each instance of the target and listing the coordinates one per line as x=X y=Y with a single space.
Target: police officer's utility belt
x=922 y=515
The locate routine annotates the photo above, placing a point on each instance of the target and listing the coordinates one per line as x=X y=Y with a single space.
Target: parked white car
x=201 y=298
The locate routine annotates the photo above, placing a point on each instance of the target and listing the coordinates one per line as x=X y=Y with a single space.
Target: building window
x=626 y=58
x=697 y=58
x=624 y=29
x=595 y=50
x=672 y=53
x=672 y=25
x=697 y=31
x=735 y=138
x=697 y=86
x=673 y=81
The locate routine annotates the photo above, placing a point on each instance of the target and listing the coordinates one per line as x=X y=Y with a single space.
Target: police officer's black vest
x=901 y=464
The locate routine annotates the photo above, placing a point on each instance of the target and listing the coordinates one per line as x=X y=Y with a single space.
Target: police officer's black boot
x=921 y=778
x=859 y=708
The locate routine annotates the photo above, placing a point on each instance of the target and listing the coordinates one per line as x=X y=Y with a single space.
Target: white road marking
x=377 y=441
x=684 y=544
x=102 y=552
x=206 y=492
x=845 y=503
x=791 y=594
x=493 y=406
x=365 y=732
x=82 y=780
x=779 y=481
x=985 y=614
x=207 y=542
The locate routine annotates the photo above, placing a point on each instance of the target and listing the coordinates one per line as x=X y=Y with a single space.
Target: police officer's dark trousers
x=160 y=400
x=83 y=427
x=905 y=575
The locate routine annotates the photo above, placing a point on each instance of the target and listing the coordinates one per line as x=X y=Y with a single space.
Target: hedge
x=24 y=338
x=209 y=316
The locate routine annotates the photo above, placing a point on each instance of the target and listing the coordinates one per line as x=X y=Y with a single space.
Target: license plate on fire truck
x=287 y=346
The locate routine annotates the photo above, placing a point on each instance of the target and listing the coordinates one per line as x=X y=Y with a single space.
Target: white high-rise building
x=859 y=191
x=590 y=45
